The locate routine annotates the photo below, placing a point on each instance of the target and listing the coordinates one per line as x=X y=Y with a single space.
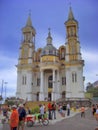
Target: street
x=73 y=123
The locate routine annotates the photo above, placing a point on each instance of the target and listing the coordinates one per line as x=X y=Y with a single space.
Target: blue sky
x=45 y=14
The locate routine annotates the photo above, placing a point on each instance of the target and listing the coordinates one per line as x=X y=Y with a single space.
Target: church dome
x=49 y=49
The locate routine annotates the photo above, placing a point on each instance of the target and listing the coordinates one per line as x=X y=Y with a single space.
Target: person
x=68 y=109
x=82 y=111
x=93 y=109
x=22 y=115
x=14 y=118
x=5 y=111
x=53 y=112
x=96 y=115
x=64 y=109
x=44 y=108
x=41 y=109
x=49 y=110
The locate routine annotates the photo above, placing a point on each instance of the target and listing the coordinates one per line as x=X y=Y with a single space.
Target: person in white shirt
x=41 y=112
x=68 y=109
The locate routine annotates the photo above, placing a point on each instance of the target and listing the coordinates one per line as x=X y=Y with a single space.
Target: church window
x=62 y=55
x=25 y=52
x=27 y=37
x=50 y=81
x=63 y=80
x=24 y=78
x=73 y=49
x=72 y=31
x=74 y=77
x=38 y=82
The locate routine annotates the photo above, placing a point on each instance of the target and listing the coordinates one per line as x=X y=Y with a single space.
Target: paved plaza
x=73 y=122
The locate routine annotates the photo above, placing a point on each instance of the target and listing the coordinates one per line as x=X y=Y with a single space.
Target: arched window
x=74 y=77
x=24 y=80
x=50 y=81
x=62 y=56
x=25 y=52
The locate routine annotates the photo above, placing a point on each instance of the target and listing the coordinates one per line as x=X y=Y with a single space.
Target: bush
x=35 y=110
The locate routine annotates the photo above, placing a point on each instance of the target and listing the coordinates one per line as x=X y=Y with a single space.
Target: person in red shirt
x=49 y=110
x=14 y=118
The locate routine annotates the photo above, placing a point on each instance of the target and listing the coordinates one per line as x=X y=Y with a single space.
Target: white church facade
x=49 y=73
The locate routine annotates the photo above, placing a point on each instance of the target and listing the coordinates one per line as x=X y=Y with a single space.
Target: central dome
x=49 y=49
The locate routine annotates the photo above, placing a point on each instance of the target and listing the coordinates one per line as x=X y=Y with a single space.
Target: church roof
x=29 y=27
x=29 y=22
x=71 y=16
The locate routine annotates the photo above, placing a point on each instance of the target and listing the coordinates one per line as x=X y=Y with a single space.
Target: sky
x=46 y=14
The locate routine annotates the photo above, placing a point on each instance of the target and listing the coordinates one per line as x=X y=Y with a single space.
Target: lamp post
x=2 y=87
x=5 y=88
x=1 y=90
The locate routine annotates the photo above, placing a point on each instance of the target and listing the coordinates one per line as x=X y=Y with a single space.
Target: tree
x=94 y=91
x=89 y=86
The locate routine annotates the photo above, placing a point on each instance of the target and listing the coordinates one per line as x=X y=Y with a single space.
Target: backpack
x=22 y=114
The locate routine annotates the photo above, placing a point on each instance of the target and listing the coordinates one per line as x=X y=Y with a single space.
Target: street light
x=5 y=88
x=2 y=87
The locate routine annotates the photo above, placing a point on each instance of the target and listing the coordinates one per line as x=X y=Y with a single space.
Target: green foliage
x=89 y=86
x=9 y=102
x=94 y=91
x=35 y=110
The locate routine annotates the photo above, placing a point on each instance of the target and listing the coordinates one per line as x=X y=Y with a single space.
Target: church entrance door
x=49 y=96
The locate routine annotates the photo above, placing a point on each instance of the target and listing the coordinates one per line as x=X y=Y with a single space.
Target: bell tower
x=25 y=61
x=73 y=45
x=28 y=43
x=74 y=62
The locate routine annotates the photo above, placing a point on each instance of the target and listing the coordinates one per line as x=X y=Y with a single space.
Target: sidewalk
x=59 y=117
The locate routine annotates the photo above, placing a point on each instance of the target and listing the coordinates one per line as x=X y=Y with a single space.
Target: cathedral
x=50 y=73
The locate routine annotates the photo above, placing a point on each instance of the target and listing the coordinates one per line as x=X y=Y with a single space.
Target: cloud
x=91 y=66
x=8 y=74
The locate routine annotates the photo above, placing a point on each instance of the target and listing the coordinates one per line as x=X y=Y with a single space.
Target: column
x=19 y=86
x=58 y=85
x=53 y=91
x=29 y=85
x=41 y=96
x=68 y=82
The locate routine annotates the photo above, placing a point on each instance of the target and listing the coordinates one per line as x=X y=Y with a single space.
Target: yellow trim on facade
x=49 y=90
x=49 y=58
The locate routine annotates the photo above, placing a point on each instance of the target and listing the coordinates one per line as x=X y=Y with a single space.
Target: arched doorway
x=49 y=96
x=37 y=96
x=50 y=86
x=63 y=94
